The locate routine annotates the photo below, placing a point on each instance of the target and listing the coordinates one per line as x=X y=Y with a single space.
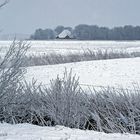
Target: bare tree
x=3 y=3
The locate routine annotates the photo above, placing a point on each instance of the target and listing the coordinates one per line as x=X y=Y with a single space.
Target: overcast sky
x=24 y=16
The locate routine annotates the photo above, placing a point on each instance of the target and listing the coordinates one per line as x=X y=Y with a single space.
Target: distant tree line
x=91 y=32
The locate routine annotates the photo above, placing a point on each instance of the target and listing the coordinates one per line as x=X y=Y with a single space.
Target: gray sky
x=24 y=16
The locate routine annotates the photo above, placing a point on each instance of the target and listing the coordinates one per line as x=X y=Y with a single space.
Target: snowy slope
x=116 y=72
x=31 y=132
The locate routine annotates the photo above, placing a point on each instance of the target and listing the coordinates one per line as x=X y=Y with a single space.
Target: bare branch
x=3 y=3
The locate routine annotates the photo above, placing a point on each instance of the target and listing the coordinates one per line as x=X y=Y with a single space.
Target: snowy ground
x=115 y=73
x=31 y=132
x=64 y=47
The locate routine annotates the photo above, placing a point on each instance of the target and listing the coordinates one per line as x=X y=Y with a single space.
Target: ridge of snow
x=32 y=132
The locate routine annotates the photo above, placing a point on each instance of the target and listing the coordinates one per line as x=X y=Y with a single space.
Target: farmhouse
x=66 y=34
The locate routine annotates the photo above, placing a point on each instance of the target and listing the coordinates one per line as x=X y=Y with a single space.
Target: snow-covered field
x=64 y=47
x=115 y=73
x=31 y=132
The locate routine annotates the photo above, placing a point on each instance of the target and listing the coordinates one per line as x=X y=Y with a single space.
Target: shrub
x=54 y=58
x=115 y=111
x=65 y=102
x=11 y=74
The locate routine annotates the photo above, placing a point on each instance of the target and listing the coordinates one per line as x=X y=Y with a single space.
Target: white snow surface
x=114 y=73
x=32 y=132
x=66 y=47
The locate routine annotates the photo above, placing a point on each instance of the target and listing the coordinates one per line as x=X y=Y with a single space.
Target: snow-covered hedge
x=66 y=103
x=87 y=55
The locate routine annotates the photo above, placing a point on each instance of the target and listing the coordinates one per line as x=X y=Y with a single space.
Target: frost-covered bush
x=66 y=103
x=29 y=107
x=109 y=110
x=87 y=55
x=113 y=111
x=11 y=74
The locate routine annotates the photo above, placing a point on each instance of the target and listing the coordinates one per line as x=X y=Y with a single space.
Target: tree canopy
x=91 y=32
